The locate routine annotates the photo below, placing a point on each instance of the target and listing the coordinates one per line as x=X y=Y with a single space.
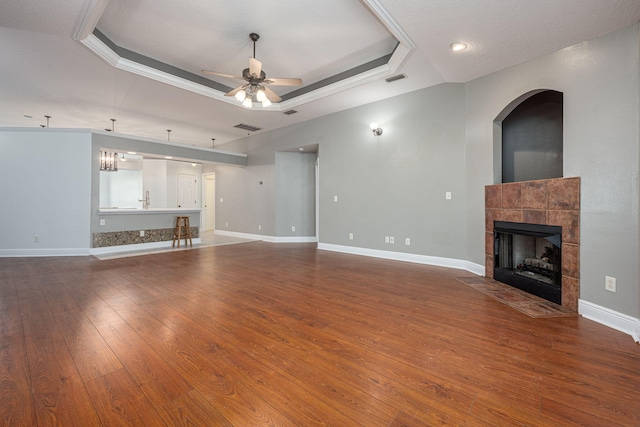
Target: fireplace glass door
x=529 y=257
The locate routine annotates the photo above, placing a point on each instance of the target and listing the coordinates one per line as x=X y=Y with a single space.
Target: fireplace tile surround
x=550 y=202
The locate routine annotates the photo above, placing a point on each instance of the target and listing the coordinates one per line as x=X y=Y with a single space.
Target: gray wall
x=295 y=194
x=393 y=185
x=250 y=194
x=45 y=192
x=245 y=199
x=599 y=79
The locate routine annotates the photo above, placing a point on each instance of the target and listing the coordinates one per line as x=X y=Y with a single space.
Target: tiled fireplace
x=553 y=202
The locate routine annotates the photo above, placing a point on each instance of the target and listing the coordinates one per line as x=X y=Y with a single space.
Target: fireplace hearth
x=529 y=257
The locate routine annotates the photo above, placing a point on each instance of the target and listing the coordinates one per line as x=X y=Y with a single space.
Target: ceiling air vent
x=395 y=78
x=247 y=127
x=290 y=112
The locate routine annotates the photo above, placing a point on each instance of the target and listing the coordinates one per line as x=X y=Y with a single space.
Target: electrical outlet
x=221 y=199
x=141 y=233
x=386 y=239
x=610 y=283
x=36 y=239
x=447 y=195
x=407 y=241
x=259 y=227
x=335 y=198
x=226 y=224
x=350 y=236
x=391 y=240
x=103 y=221
x=293 y=228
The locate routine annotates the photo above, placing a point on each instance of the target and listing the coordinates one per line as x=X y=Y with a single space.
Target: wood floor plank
x=323 y=380
x=558 y=413
x=120 y=402
x=185 y=348
x=17 y=407
x=286 y=335
x=192 y=410
x=156 y=379
x=10 y=317
x=202 y=372
x=59 y=392
x=92 y=355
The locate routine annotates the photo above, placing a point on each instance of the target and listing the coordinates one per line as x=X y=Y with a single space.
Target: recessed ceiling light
x=301 y=149
x=168 y=157
x=458 y=46
x=131 y=152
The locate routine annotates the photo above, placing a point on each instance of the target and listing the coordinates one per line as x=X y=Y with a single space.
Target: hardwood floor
x=285 y=335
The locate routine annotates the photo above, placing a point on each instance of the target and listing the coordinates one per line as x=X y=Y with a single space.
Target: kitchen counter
x=138 y=211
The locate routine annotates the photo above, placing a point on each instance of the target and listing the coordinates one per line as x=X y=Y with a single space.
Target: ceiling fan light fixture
x=256 y=87
x=241 y=95
x=261 y=95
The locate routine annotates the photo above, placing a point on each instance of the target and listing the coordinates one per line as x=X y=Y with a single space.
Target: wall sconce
x=375 y=129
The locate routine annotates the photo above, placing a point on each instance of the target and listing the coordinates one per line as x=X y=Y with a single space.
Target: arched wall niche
x=527 y=138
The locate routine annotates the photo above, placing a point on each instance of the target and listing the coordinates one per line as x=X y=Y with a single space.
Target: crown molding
x=101 y=50
x=95 y=8
x=89 y=19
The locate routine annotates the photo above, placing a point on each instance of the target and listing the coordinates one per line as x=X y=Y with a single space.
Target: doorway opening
x=209 y=206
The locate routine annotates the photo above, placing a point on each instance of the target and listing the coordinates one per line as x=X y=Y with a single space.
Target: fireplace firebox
x=529 y=257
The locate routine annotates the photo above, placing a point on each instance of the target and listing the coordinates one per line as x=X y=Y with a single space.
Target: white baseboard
x=296 y=239
x=16 y=253
x=135 y=247
x=613 y=319
x=401 y=256
x=270 y=239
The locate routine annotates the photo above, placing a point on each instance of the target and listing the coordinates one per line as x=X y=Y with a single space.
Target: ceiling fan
x=257 y=81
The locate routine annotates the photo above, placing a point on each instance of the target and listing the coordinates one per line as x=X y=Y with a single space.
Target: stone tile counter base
x=119 y=238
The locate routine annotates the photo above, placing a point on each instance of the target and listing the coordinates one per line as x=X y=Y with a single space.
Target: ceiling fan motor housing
x=246 y=74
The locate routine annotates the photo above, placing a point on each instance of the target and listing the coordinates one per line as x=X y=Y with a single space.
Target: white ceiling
x=50 y=65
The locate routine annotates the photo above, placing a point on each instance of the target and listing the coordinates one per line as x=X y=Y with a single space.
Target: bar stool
x=182 y=230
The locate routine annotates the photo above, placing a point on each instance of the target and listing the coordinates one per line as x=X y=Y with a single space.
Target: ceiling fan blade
x=273 y=97
x=283 y=82
x=255 y=67
x=215 y=73
x=236 y=90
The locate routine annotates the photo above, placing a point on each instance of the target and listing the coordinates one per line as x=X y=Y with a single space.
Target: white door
x=187 y=191
x=209 y=203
